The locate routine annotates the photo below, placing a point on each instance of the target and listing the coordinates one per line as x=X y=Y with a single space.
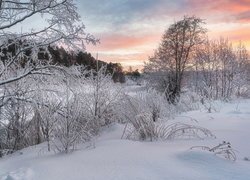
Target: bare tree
x=220 y=69
x=242 y=77
x=174 y=53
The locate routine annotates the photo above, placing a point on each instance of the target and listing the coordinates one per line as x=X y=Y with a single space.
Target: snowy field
x=110 y=157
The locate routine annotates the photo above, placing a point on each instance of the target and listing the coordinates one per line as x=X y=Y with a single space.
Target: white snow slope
x=114 y=158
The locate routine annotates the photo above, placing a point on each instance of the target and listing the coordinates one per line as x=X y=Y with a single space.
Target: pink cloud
x=221 y=10
x=118 y=41
x=230 y=17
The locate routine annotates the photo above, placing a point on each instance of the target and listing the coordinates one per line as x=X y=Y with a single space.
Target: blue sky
x=130 y=30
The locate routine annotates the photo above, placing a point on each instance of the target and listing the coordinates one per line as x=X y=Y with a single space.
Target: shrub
x=224 y=150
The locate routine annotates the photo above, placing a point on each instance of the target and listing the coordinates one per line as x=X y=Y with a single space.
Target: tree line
x=59 y=56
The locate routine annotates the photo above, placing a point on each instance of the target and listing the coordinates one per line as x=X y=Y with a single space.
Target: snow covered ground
x=111 y=157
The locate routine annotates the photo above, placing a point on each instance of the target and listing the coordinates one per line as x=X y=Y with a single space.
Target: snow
x=111 y=157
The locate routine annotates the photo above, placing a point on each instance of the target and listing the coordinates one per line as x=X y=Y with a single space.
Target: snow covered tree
x=103 y=97
x=15 y=116
x=220 y=69
x=174 y=53
x=60 y=23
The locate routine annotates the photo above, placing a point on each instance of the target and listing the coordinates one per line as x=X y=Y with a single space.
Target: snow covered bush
x=71 y=126
x=88 y=103
x=102 y=96
x=224 y=150
x=47 y=118
x=182 y=131
x=66 y=108
x=144 y=129
x=188 y=101
x=143 y=123
x=142 y=111
x=15 y=115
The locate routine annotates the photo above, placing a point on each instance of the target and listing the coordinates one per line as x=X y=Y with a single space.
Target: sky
x=130 y=30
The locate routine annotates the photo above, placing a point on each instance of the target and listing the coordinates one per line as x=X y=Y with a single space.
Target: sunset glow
x=130 y=30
